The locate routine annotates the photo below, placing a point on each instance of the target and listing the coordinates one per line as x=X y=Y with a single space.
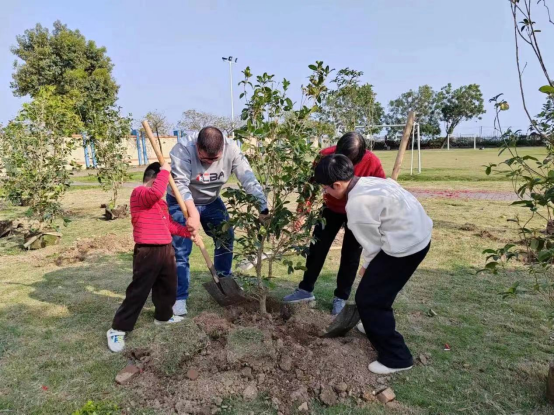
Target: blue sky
x=167 y=54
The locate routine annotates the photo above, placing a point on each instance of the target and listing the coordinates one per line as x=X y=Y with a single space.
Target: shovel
x=349 y=316
x=225 y=291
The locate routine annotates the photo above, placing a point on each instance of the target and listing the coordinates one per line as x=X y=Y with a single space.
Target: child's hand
x=166 y=166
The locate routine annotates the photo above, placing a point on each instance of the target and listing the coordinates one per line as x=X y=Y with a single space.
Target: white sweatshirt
x=384 y=216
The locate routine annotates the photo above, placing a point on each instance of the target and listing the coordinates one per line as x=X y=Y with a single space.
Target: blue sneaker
x=338 y=305
x=299 y=295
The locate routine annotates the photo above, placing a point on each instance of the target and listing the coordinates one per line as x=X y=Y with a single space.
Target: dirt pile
x=87 y=247
x=282 y=362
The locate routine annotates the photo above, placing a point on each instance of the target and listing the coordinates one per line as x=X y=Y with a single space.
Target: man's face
x=206 y=159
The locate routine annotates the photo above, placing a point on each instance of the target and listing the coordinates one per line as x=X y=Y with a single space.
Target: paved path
x=463 y=194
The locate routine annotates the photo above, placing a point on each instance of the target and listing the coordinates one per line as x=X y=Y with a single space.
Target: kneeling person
x=154 y=266
x=395 y=233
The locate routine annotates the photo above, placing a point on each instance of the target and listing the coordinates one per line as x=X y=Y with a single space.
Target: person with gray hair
x=200 y=168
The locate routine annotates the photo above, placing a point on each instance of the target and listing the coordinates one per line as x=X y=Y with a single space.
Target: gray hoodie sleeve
x=245 y=175
x=181 y=169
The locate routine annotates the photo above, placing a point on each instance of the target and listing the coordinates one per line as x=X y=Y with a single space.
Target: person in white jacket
x=395 y=233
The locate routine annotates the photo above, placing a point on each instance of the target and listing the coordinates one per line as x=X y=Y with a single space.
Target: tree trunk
x=261 y=288
x=550 y=384
x=263 y=307
x=270 y=265
x=443 y=144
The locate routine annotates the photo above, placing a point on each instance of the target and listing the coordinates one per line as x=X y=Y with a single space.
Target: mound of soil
x=283 y=362
x=121 y=211
x=87 y=247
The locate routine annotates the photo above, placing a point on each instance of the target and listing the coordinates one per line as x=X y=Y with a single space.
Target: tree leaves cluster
x=351 y=103
x=34 y=152
x=108 y=130
x=449 y=106
x=62 y=69
x=276 y=141
x=532 y=178
x=65 y=59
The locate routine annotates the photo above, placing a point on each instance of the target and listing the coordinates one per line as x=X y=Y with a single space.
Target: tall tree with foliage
x=281 y=157
x=424 y=102
x=76 y=67
x=457 y=105
x=351 y=104
x=36 y=154
x=159 y=125
x=110 y=131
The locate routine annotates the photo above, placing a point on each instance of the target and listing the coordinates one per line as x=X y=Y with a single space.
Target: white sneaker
x=180 y=307
x=360 y=327
x=378 y=368
x=173 y=320
x=116 y=340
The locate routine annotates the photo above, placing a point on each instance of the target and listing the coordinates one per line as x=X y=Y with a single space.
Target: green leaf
x=492 y=265
x=547 y=89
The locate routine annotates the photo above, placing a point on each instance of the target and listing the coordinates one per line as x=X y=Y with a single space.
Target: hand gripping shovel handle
x=198 y=241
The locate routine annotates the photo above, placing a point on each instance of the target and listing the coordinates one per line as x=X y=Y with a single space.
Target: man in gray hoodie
x=200 y=168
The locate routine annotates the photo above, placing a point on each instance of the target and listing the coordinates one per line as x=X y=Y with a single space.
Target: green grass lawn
x=456 y=165
x=451 y=165
x=53 y=357
x=90 y=176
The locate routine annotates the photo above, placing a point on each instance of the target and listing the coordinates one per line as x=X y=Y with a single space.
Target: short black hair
x=151 y=172
x=334 y=168
x=353 y=146
x=210 y=140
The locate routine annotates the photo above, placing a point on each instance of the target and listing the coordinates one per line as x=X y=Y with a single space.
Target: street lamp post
x=231 y=62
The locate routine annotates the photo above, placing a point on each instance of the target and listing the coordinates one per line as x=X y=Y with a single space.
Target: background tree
x=281 y=157
x=64 y=59
x=109 y=130
x=455 y=106
x=159 y=125
x=351 y=104
x=197 y=120
x=424 y=102
x=36 y=154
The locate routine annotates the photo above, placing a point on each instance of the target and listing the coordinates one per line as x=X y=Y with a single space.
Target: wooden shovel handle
x=198 y=240
x=403 y=144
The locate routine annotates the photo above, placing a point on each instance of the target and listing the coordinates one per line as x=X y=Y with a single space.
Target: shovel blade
x=344 y=322
x=226 y=293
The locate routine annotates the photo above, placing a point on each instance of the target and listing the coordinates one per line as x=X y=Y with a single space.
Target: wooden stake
x=403 y=144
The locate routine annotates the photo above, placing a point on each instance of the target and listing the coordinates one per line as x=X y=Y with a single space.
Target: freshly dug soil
x=84 y=248
x=283 y=362
x=6 y=228
x=121 y=211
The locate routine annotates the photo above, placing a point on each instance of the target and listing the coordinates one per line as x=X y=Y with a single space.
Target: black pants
x=154 y=269
x=349 y=257
x=383 y=279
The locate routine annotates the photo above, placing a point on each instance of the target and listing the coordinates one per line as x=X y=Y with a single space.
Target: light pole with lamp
x=231 y=62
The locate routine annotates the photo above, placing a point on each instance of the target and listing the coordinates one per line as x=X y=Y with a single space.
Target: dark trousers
x=383 y=279
x=349 y=258
x=154 y=269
